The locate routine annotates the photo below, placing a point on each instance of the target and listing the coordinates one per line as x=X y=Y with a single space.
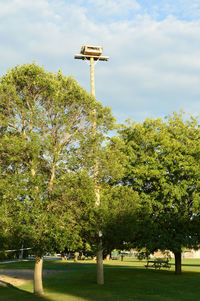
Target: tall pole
x=93 y=53
x=92 y=84
x=100 y=273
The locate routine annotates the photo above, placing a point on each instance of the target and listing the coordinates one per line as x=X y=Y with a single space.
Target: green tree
x=163 y=166
x=46 y=119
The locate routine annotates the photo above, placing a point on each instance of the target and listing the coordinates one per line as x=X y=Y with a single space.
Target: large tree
x=46 y=119
x=163 y=166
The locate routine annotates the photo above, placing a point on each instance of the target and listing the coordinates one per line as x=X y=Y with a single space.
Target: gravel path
x=19 y=277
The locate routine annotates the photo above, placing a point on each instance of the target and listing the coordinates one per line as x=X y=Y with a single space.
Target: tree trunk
x=76 y=254
x=38 y=287
x=177 y=256
x=100 y=274
x=63 y=255
x=53 y=169
x=21 y=255
x=108 y=257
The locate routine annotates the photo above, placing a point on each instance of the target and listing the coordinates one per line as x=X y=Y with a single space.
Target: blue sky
x=154 y=49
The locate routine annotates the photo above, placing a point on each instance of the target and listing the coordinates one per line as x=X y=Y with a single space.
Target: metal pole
x=100 y=273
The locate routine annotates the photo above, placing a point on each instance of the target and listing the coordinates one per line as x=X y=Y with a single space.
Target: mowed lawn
x=124 y=281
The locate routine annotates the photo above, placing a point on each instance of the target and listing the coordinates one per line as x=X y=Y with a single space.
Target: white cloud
x=12 y=7
x=154 y=64
x=157 y=67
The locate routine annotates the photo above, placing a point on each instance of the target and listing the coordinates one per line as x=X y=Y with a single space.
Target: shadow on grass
x=78 y=283
x=123 y=283
x=12 y=293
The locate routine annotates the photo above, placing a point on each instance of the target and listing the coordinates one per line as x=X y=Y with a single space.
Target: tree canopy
x=163 y=166
x=46 y=142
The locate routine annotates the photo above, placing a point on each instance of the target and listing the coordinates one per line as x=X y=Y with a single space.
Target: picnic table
x=158 y=264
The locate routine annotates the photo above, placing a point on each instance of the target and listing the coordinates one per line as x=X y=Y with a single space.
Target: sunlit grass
x=124 y=280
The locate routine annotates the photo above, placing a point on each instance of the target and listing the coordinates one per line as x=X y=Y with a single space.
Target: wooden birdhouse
x=91 y=50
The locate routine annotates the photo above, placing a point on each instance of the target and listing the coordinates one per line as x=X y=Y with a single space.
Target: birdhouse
x=91 y=50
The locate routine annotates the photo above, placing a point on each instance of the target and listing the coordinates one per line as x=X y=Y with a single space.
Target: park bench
x=158 y=264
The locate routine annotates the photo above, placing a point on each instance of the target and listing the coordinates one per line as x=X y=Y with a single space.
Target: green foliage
x=46 y=139
x=163 y=166
x=119 y=206
x=74 y=202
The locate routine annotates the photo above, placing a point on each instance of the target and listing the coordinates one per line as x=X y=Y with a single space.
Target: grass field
x=124 y=281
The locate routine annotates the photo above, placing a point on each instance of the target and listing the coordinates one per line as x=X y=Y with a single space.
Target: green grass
x=124 y=281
